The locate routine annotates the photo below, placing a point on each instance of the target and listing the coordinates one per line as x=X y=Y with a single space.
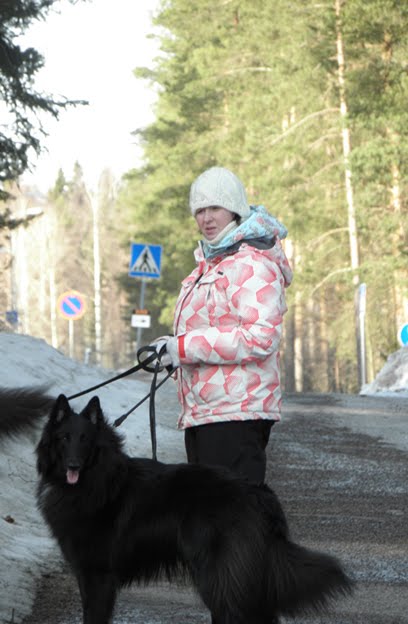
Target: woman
x=227 y=328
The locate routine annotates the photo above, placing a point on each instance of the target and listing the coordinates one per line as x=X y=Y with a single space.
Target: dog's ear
x=61 y=409
x=93 y=411
x=46 y=453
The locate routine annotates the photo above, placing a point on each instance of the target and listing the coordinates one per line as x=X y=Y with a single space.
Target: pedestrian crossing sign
x=145 y=260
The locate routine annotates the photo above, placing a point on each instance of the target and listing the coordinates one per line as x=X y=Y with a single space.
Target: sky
x=26 y=550
x=90 y=50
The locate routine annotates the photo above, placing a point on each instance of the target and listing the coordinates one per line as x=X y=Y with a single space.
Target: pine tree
x=19 y=100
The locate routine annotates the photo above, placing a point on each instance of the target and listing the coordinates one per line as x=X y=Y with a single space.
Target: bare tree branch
x=295 y=126
x=328 y=277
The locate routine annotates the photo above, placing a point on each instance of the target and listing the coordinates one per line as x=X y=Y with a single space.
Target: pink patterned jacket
x=228 y=322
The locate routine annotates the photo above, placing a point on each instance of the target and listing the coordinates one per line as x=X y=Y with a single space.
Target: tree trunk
x=352 y=225
x=400 y=288
x=94 y=201
x=298 y=343
x=326 y=372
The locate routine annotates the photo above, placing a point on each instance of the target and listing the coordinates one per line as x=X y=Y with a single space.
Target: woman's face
x=212 y=220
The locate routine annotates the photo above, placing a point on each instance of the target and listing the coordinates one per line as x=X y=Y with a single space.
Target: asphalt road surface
x=339 y=464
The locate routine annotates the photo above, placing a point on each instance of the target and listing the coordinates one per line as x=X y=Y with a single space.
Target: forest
x=307 y=103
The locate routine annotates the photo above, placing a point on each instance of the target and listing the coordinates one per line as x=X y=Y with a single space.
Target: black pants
x=238 y=445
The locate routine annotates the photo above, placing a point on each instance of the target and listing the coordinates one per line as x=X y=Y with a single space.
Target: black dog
x=120 y=520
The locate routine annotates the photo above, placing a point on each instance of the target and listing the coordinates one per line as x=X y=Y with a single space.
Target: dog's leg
x=98 y=594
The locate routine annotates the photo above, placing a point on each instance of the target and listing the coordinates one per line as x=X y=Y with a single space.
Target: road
x=339 y=464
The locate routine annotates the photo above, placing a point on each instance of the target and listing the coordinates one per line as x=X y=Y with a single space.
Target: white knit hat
x=219 y=187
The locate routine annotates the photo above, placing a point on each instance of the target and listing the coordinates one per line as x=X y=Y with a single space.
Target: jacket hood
x=260 y=230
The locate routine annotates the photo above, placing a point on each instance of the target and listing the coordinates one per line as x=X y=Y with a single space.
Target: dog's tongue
x=72 y=476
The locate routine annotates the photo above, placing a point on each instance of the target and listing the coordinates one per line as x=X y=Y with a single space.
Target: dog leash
x=153 y=387
x=144 y=363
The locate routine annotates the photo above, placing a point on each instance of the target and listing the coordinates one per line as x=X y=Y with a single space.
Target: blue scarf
x=259 y=224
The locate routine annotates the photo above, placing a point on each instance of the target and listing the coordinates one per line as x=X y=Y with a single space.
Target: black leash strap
x=152 y=410
x=153 y=387
x=144 y=364
x=120 y=420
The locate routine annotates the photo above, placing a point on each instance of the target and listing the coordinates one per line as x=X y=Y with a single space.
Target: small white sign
x=140 y=320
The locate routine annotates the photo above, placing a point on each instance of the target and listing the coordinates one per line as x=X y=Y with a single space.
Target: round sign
x=403 y=335
x=71 y=305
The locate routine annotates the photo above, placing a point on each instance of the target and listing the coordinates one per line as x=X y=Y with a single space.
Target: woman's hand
x=167 y=351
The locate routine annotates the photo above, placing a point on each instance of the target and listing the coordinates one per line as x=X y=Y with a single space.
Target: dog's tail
x=303 y=580
x=21 y=409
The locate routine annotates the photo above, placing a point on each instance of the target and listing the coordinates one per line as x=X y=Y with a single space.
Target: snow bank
x=393 y=377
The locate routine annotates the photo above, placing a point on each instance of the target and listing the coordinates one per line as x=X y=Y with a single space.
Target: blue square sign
x=145 y=260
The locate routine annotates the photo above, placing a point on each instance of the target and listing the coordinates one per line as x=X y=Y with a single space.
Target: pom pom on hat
x=219 y=187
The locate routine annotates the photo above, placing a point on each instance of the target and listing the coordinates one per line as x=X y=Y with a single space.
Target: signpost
x=71 y=305
x=145 y=262
x=362 y=296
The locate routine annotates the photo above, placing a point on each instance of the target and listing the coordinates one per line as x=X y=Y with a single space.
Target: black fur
x=120 y=520
x=21 y=410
